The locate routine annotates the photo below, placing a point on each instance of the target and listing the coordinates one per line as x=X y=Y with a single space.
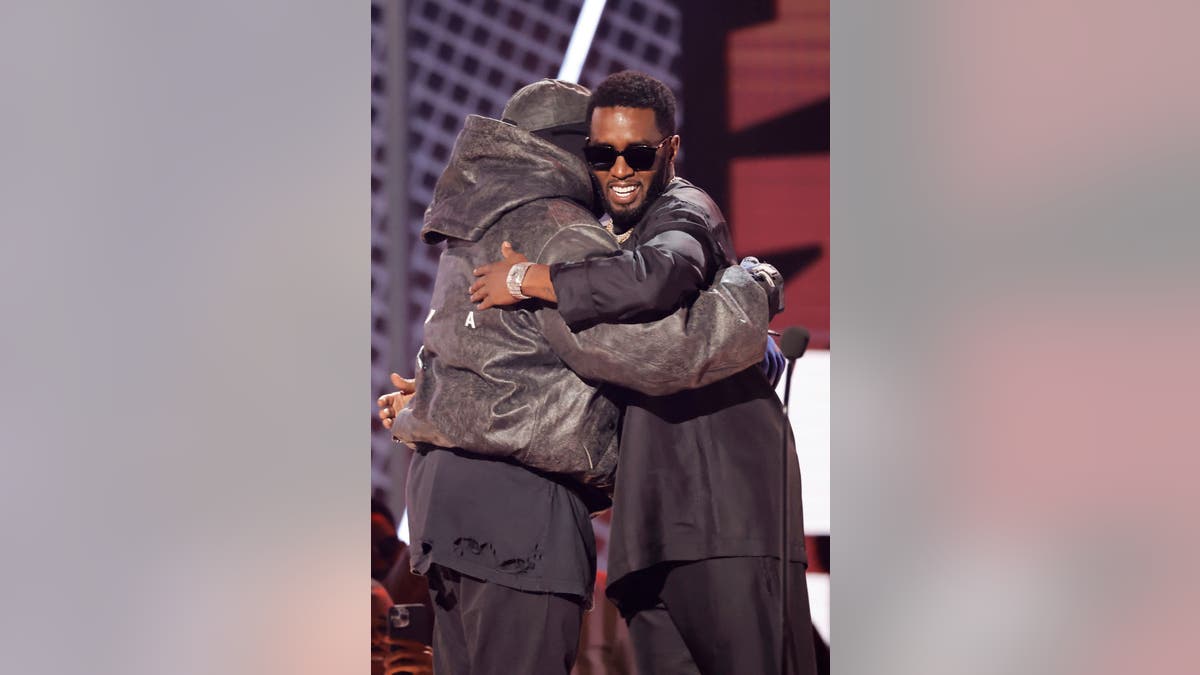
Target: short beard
x=626 y=220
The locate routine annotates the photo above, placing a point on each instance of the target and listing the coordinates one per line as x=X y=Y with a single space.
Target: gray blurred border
x=184 y=290
x=1013 y=212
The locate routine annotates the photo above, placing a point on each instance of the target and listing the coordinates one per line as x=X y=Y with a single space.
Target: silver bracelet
x=516 y=276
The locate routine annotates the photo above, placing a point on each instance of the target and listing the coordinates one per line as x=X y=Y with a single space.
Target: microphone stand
x=785 y=484
x=794 y=344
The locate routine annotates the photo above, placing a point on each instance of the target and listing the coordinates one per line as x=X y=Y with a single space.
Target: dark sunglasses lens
x=601 y=157
x=640 y=157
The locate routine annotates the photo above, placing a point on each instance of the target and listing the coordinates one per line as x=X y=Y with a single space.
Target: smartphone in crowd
x=410 y=622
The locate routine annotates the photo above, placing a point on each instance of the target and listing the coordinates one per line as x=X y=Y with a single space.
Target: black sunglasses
x=639 y=157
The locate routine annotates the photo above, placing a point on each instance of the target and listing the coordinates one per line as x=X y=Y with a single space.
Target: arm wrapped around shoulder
x=723 y=332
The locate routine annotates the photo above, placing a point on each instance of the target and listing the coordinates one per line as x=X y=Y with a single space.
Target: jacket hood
x=496 y=167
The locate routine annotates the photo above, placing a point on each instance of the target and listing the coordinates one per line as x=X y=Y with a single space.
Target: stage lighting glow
x=581 y=40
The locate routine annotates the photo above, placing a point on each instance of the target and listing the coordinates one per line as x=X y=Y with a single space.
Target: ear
x=673 y=146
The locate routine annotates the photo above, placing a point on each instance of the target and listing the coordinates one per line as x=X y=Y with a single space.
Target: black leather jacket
x=515 y=382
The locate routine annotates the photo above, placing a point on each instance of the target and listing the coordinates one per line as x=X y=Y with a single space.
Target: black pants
x=482 y=628
x=716 y=617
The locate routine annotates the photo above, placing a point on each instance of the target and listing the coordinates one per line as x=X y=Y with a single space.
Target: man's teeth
x=624 y=191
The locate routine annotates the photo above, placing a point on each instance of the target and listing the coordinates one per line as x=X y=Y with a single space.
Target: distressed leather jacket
x=516 y=382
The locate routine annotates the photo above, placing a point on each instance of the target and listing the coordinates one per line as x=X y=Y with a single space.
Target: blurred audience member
x=385 y=546
x=391 y=560
x=390 y=656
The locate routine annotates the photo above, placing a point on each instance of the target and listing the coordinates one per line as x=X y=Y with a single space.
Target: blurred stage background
x=752 y=80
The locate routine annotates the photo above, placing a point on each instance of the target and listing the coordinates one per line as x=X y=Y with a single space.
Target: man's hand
x=771 y=281
x=491 y=288
x=773 y=363
x=393 y=656
x=390 y=404
x=402 y=657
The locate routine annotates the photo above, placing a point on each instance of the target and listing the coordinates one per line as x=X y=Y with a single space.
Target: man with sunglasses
x=693 y=550
x=515 y=436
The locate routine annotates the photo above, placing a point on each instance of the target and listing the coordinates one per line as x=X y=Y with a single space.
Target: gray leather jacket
x=515 y=382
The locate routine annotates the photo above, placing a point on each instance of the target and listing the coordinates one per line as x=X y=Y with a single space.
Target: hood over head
x=497 y=166
x=547 y=104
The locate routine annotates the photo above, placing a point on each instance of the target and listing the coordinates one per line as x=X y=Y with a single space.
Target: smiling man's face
x=629 y=191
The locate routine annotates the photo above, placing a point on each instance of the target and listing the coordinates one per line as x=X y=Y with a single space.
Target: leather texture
x=516 y=382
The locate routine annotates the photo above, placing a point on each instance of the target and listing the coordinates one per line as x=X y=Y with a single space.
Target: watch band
x=516 y=276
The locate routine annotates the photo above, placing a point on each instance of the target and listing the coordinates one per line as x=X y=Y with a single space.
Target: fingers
x=410 y=645
x=478 y=285
x=407 y=656
x=485 y=297
x=482 y=271
x=389 y=404
x=481 y=294
x=387 y=415
x=404 y=385
x=511 y=256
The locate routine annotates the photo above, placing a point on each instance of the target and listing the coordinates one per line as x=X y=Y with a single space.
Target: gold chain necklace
x=621 y=238
x=624 y=236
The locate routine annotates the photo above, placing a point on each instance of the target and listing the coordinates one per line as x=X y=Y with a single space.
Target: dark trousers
x=716 y=617
x=481 y=628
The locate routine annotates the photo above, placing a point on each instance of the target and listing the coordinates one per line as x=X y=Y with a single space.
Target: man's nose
x=620 y=169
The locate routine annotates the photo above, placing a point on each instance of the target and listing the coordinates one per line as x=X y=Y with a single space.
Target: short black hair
x=631 y=89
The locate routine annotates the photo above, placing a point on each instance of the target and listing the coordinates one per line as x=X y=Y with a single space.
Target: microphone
x=794 y=342
x=793 y=345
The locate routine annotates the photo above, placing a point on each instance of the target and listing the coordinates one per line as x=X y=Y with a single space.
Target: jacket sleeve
x=646 y=283
x=723 y=332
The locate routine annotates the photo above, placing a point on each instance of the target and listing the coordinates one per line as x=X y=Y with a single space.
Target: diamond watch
x=516 y=275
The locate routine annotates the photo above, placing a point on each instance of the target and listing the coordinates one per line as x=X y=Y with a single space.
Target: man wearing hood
x=515 y=435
